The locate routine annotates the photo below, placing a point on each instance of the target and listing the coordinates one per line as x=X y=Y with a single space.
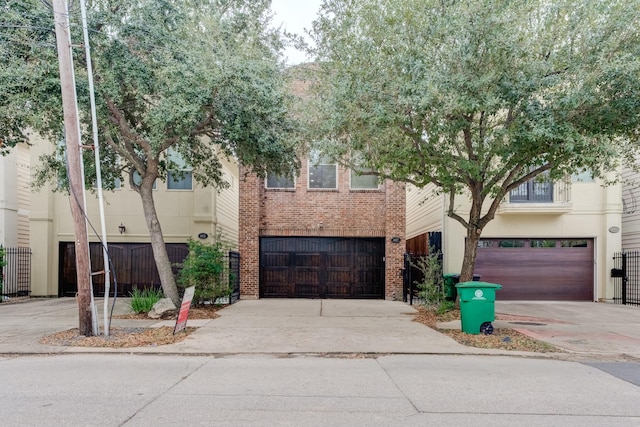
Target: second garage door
x=538 y=269
x=321 y=267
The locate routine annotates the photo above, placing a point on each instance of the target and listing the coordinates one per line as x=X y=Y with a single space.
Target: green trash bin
x=450 y=281
x=477 y=306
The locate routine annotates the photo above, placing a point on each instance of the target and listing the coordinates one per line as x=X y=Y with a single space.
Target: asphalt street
x=267 y=390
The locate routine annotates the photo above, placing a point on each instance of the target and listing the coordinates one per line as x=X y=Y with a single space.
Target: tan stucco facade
x=183 y=214
x=585 y=210
x=14 y=197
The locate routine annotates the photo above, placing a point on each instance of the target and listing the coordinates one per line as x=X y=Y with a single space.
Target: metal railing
x=234 y=276
x=16 y=274
x=626 y=278
x=541 y=191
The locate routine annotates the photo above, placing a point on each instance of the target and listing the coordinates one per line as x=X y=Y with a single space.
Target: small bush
x=206 y=268
x=142 y=301
x=431 y=287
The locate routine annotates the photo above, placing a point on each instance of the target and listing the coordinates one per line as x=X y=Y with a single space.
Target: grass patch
x=142 y=301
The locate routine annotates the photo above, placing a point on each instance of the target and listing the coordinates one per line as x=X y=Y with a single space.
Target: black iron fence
x=411 y=276
x=16 y=274
x=234 y=276
x=626 y=278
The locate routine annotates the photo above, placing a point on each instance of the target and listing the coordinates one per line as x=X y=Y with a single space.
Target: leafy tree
x=477 y=96
x=200 y=78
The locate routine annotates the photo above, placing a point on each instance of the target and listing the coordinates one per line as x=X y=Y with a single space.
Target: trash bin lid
x=484 y=285
x=451 y=275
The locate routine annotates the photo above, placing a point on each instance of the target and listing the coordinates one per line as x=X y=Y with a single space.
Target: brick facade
x=320 y=213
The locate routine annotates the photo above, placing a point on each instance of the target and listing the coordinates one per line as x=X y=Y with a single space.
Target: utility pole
x=72 y=136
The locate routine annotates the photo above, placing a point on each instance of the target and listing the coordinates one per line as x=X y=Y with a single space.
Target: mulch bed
x=131 y=337
x=502 y=339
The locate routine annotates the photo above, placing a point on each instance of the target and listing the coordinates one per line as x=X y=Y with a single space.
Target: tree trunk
x=158 y=246
x=470 y=252
x=474 y=230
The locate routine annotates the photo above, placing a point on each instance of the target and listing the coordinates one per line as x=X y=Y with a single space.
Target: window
x=582 y=176
x=574 y=244
x=179 y=176
x=137 y=179
x=486 y=244
x=540 y=243
x=361 y=181
x=536 y=190
x=511 y=244
x=280 y=181
x=323 y=171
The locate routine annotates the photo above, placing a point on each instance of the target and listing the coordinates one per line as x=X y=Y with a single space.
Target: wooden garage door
x=132 y=263
x=538 y=269
x=321 y=267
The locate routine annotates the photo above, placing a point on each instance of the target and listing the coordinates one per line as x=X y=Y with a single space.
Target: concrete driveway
x=582 y=328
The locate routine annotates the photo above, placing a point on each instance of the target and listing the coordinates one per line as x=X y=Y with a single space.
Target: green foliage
x=142 y=301
x=477 y=97
x=431 y=287
x=203 y=79
x=206 y=268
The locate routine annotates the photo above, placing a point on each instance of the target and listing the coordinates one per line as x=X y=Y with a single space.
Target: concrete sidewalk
x=299 y=326
x=274 y=326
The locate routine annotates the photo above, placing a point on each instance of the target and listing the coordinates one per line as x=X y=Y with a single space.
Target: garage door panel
x=536 y=273
x=304 y=245
x=306 y=290
x=339 y=245
x=307 y=260
x=322 y=267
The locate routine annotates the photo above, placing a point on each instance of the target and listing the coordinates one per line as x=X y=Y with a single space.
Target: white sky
x=295 y=16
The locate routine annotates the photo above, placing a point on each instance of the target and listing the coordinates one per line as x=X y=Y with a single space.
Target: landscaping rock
x=163 y=309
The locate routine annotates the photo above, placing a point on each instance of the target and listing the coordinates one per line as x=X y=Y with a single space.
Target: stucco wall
x=593 y=209
x=182 y=215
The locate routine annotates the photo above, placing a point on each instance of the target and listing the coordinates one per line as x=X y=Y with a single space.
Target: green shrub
x=142 y=301
x=431 y=287
x=206 y=268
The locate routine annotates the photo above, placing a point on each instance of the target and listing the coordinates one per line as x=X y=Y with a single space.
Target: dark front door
x=321 y=267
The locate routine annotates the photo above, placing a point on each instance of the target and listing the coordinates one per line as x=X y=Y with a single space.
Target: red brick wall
x=328 y=213
x=248 y=242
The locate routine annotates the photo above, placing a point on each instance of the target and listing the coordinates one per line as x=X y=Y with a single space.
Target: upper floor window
x=137 y=179
x=363 y=179
x=280 y=181
x=583 y=176
x=536 y=190
x=179 y=176
x=323 y=171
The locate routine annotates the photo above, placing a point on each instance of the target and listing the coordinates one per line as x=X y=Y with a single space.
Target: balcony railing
x=537 y=196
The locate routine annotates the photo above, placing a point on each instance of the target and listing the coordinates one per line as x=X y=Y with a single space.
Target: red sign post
x=183 y=314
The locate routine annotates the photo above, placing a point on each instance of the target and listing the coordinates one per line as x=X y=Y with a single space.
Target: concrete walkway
x=299 y=326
